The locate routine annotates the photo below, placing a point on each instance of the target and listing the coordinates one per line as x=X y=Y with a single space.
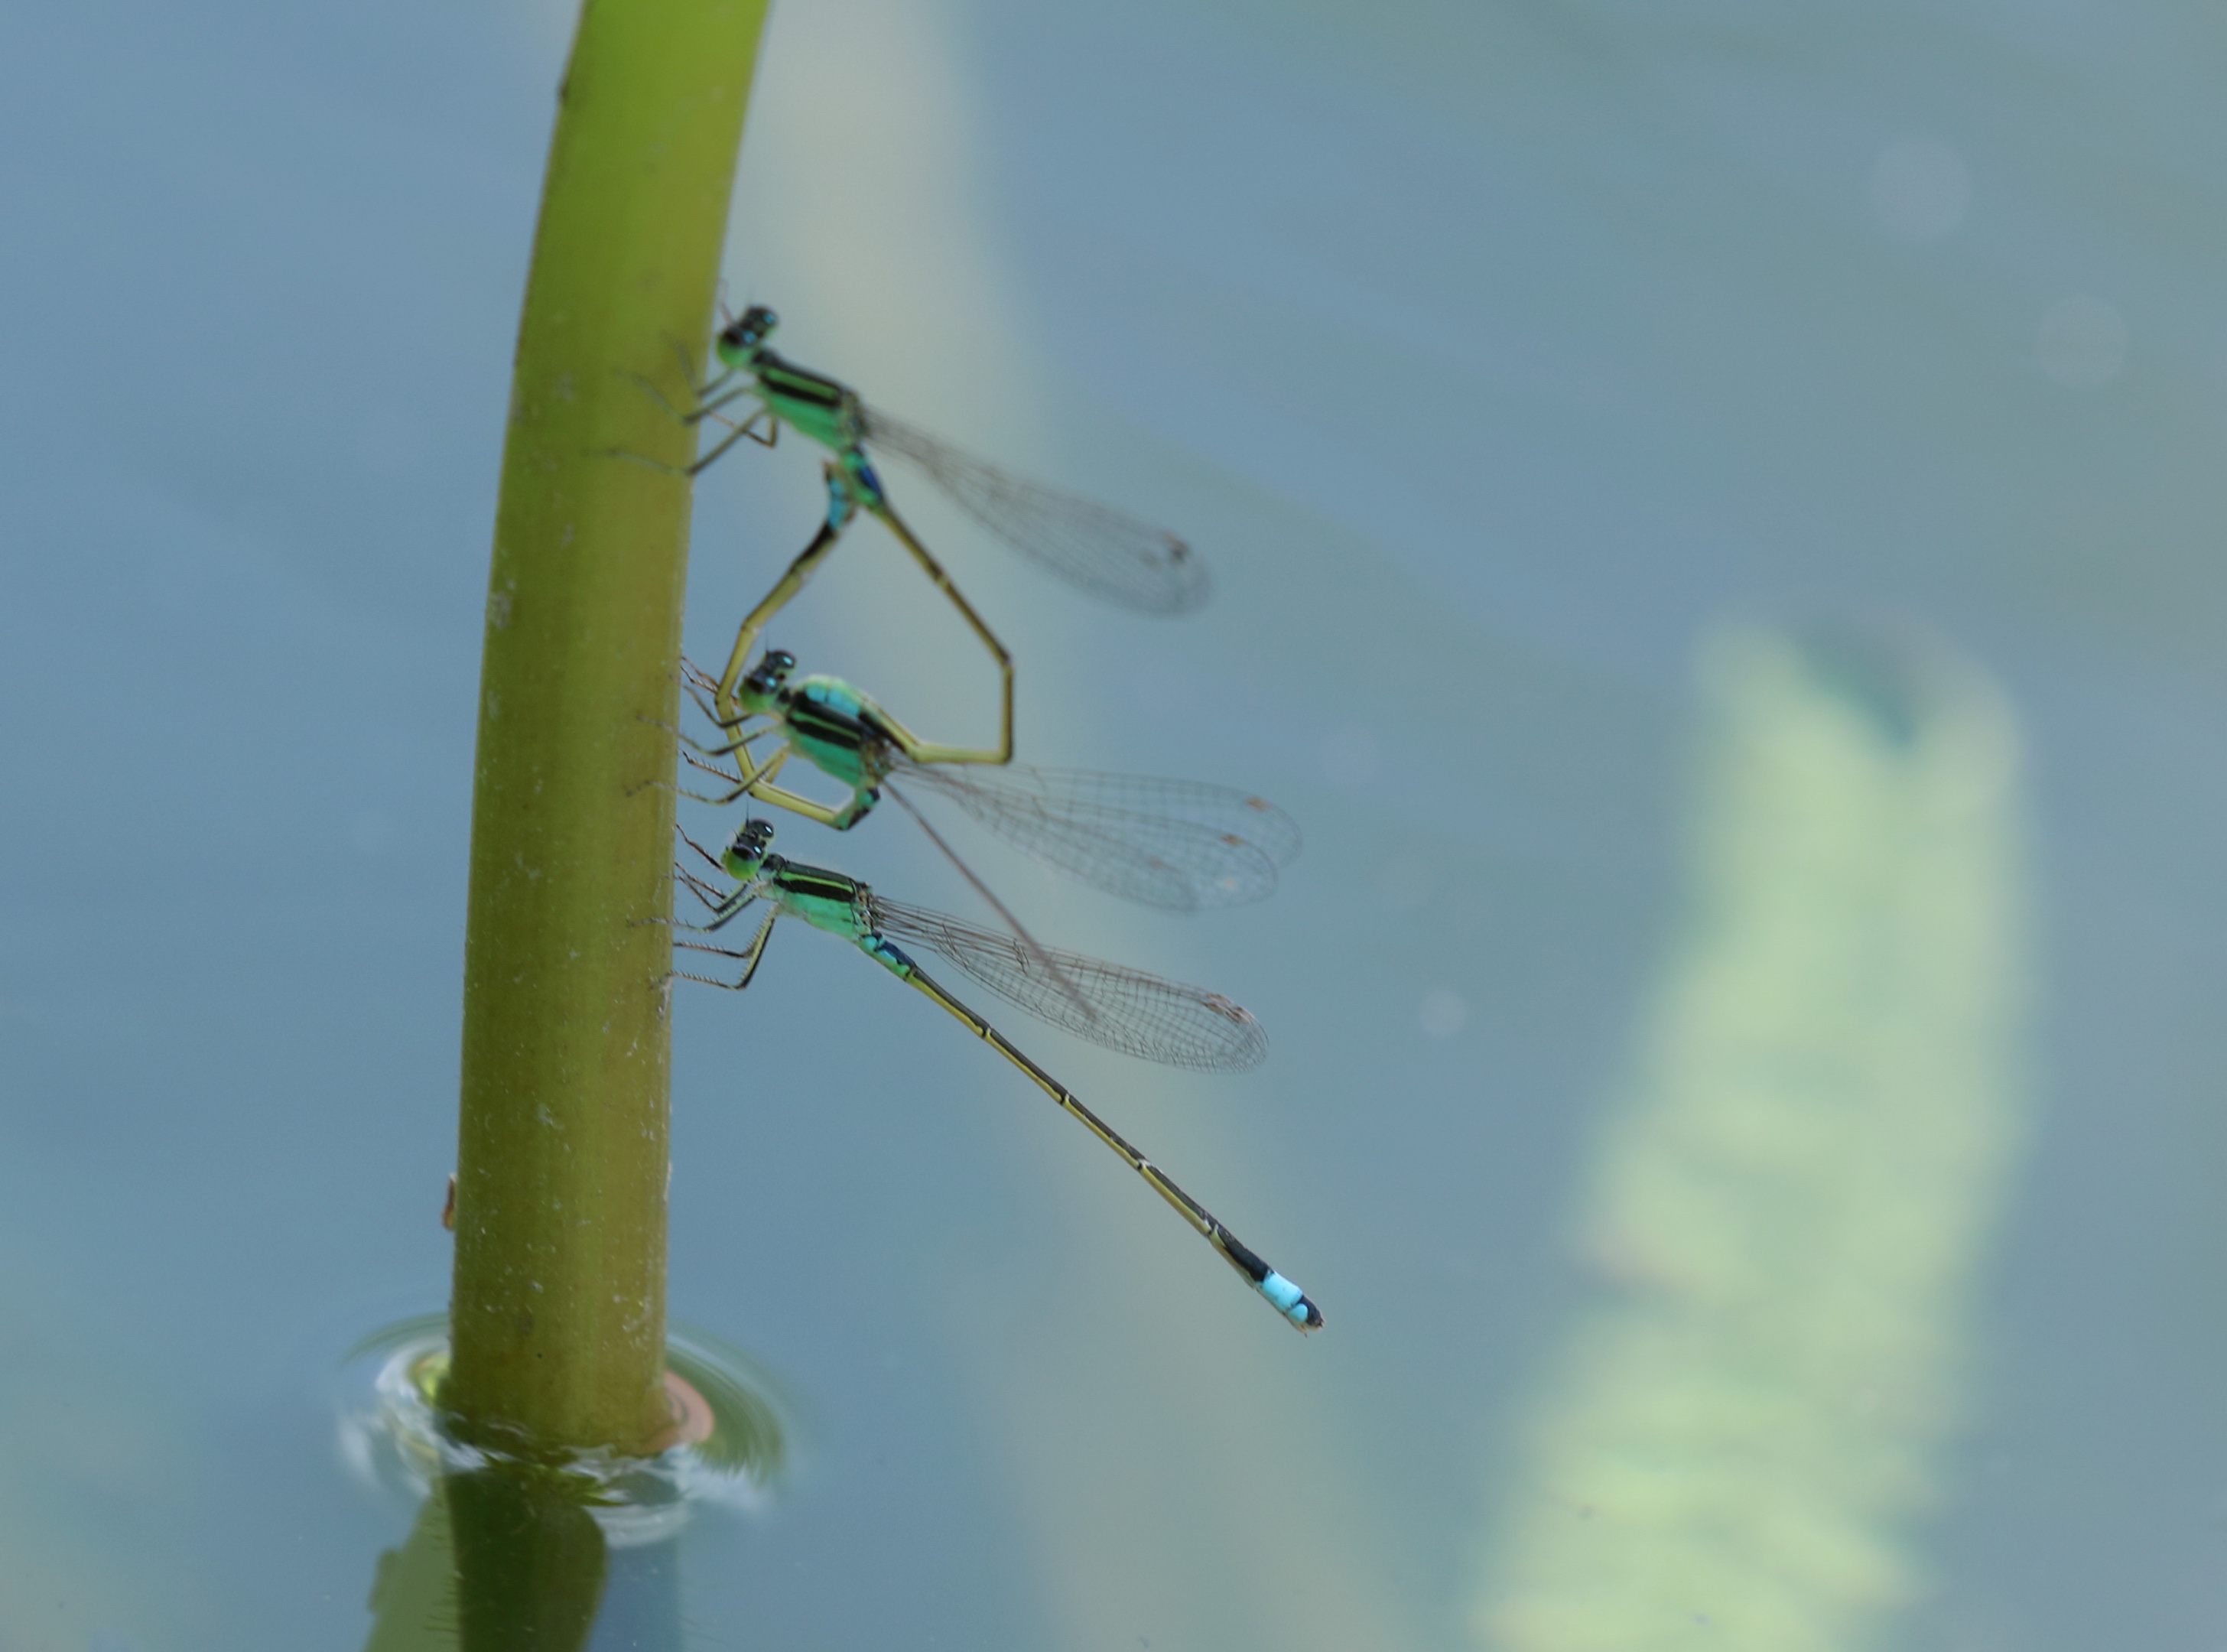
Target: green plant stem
x=558 y=1307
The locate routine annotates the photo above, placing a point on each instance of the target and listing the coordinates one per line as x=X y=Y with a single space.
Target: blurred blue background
x=1499 y=358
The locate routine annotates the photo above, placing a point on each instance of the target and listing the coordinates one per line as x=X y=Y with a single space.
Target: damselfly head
x=771 y=671
x=747 y=851
x=759 y=693
x=740 y=340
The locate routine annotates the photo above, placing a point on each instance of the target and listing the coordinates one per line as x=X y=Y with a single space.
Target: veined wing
x=1122 y=1009
x=1108 y=554
x=1181 y=844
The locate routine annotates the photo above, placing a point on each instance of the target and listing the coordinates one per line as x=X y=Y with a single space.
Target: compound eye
x=771 y=671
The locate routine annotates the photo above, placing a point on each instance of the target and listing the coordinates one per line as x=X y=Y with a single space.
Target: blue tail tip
x=1290 y=1301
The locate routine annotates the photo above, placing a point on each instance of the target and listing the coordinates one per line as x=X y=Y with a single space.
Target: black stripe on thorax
x=814 y=883
x=797 y=383
x=814 y=722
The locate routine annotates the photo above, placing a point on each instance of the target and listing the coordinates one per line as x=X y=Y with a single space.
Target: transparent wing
x=1175 y=844
x=1122 y=1009
x=1108 y=554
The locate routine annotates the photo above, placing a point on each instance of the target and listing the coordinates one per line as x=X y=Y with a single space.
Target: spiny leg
x=696 y=745
x=716 y=799
x=757 y=784
x=724 y=903
x=703 y=389
x=707 y=857
x=708 y=404
x=738 y=787
x=725 y=911
x=751 y=958
x=748 y=427
x=721 y=902
x=706 y=895
x=699 y=684
x=727 y=750
x=689 y=472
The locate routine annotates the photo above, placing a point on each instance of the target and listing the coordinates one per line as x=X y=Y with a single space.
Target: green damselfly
x=1177 y=844
x=1122 y=1009
x=1109 y=554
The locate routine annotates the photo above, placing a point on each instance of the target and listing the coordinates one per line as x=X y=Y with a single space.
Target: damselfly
x=1178 y=844
x=1109 y=554
x=1122 y=1009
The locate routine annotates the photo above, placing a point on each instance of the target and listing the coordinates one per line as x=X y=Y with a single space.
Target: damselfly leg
x=751 y=957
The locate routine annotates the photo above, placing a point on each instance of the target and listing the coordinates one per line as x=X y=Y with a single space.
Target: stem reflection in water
x=573 y=1553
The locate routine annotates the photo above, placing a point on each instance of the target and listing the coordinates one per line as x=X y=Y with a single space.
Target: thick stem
x=558 y=1311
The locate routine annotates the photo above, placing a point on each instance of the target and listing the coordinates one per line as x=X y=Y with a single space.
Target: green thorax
x=818 y=407
x=824 y=899
x=835 y=728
